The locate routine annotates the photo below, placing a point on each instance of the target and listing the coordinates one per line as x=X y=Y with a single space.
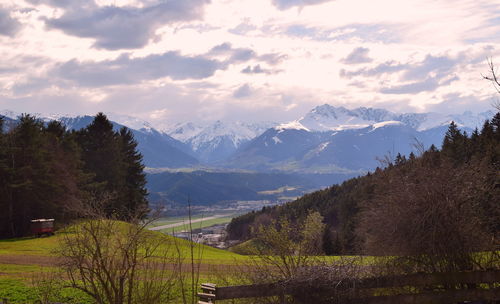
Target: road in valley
x=186 y=222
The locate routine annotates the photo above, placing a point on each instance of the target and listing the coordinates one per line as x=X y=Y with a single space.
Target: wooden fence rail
x=434 y=288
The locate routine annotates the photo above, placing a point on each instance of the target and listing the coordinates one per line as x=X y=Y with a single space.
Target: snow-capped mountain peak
x=329 y=118
x=130 y=121
x=197 y=134
x=213 y=141
x=291 y=125
x=9 y=114
x=184 y=131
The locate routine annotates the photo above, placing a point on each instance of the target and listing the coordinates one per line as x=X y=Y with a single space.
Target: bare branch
x=117 y=262
x=493 y=78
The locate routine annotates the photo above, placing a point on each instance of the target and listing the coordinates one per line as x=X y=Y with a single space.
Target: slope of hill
x=463 y=173
x=45 y=247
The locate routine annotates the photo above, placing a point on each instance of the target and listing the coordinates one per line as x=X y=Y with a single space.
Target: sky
x=170 y=61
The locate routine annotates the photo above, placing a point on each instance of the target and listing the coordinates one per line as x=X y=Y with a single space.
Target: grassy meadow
x=23 y=260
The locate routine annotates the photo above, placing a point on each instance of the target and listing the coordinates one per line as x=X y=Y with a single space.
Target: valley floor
x=185 y=222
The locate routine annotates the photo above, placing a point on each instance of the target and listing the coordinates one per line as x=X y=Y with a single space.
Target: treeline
x=47 y=171
x=411 y=206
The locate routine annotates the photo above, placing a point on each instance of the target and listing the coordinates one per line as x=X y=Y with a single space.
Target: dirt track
x=48 y=261
x=28 y=260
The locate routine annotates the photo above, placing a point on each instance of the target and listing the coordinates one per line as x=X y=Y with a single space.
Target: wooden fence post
x=282 y=298
x=208 y=294
x=211 y=292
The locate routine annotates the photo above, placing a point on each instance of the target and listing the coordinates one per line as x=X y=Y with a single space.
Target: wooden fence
x=435 y=288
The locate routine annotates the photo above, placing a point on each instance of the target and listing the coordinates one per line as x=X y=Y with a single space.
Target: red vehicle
x=41 y=227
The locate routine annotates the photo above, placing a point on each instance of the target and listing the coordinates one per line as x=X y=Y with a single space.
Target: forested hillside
x=47 y=171
x=456 y=189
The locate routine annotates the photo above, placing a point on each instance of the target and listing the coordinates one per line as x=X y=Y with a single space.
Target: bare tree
x=431 y=218
x=188 y=281
x=492 y=76
x=116 y=262
x=47 y=285
x=288 y=248
x=288 y=257
x=418 y=146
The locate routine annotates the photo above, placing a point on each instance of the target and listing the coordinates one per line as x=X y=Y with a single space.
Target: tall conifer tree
x=117 y=166
x=102 y=157
x=133 y=195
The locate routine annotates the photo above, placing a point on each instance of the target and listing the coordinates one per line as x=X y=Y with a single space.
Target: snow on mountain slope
x=237 y=132
x=130 y=121
x=293 y=125
x=184 y=131
x=386 y=123
x=215 y=141
x=10 y=114
x=329 y=118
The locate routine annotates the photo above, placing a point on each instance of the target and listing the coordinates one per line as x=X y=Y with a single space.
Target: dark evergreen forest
x=409 y=206
x=47 y=171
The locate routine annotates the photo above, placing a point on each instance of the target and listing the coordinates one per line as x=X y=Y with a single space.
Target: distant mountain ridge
x=220 y=161
x=327 y=139
x=158 y=149
x=334 y=139
x=216 y=141
x=330 y=118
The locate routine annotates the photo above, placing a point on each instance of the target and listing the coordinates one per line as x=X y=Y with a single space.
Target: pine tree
x=411 y=157
x=32 y=186
x=68 y=168
x=4 y=177
x=56 y=129
x=133 y=195
x=102 y=157
x=454 y=145
x=400 y=159
x=116 y=166
x=495 y=123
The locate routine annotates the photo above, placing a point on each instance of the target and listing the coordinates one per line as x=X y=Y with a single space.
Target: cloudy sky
x=168 y=61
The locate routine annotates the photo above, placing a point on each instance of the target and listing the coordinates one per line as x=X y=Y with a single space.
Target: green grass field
x=23 y=259
x=45 y=246
x=29 y=246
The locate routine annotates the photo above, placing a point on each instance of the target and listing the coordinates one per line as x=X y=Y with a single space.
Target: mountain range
x=336 y=139
x=228 y=161
x=216 y=141
x=327 y=139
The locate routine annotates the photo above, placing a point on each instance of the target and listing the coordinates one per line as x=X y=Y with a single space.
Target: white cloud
x=8 y=26
x=122 y=27
x=179 y=59
x=358 y=55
